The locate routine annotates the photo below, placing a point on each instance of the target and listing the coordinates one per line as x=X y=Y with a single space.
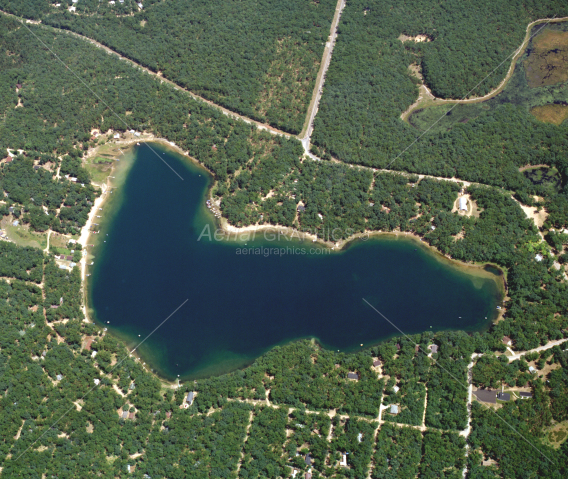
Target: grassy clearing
x=101 y=164
x=22 y=236
x=553 y=113
x=557 y=434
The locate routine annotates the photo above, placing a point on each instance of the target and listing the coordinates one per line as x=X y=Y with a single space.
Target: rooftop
x=486 y=395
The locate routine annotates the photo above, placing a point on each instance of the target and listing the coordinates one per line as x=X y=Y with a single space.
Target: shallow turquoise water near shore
x=240 y=305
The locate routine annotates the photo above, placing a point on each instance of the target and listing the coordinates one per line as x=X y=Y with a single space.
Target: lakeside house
x=507 y=341
x=486 y=395
x=188 y=400
x=433 y=348
x=354 y=376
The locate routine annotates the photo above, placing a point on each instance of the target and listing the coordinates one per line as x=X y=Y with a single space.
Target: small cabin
x=354 y=376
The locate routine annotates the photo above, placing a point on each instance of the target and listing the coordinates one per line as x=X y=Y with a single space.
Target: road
x=549 y=345
x=320 y=79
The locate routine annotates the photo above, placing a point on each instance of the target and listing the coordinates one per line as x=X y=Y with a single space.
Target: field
x=22 y=236
x=552 y=113
x=557 y=434
x=547 y=63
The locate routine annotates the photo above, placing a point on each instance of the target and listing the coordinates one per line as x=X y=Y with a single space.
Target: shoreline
x=289 y=232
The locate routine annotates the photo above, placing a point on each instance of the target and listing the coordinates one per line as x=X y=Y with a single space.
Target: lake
x=156 y=250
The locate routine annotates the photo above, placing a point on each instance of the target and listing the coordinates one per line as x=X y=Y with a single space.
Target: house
x=124 y=414
x=377 y=363
x=308 y=460
x=532 y=370
x=343 y=461
x=8 y=159
x=539 y=257
x=15 y=223
x=463 y=204
x=398 y=346
x=504 y=396
x=354 y=376
x=433 y=348
x=189 y=398
x=168 y=414
x=395 y=389
x=301 y=208
x=59 y=377
x=132 y=415
x=116 y=136
x=507 y=341
x=97 y=381
x=359 y=437
x=394 y=409
x=308 y=475
x=132 y=386
x=525 y=395
x=486 y=395
x=69 y=258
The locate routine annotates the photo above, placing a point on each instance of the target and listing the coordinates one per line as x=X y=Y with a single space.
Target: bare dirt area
x=539 y=217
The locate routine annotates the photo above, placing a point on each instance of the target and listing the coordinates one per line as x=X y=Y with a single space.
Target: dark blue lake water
x=240 y=305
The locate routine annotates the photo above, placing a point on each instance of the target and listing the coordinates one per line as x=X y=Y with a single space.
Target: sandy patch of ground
x=417 y=39
x=539 y=217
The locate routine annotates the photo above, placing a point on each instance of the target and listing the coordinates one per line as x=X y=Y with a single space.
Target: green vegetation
x=359 y=117
x=398 y=452
x=55 y=423
x=259 y=59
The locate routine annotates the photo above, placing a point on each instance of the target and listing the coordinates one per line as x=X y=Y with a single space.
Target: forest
x=359 y=116
x=257 y=58
x=264 y=420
